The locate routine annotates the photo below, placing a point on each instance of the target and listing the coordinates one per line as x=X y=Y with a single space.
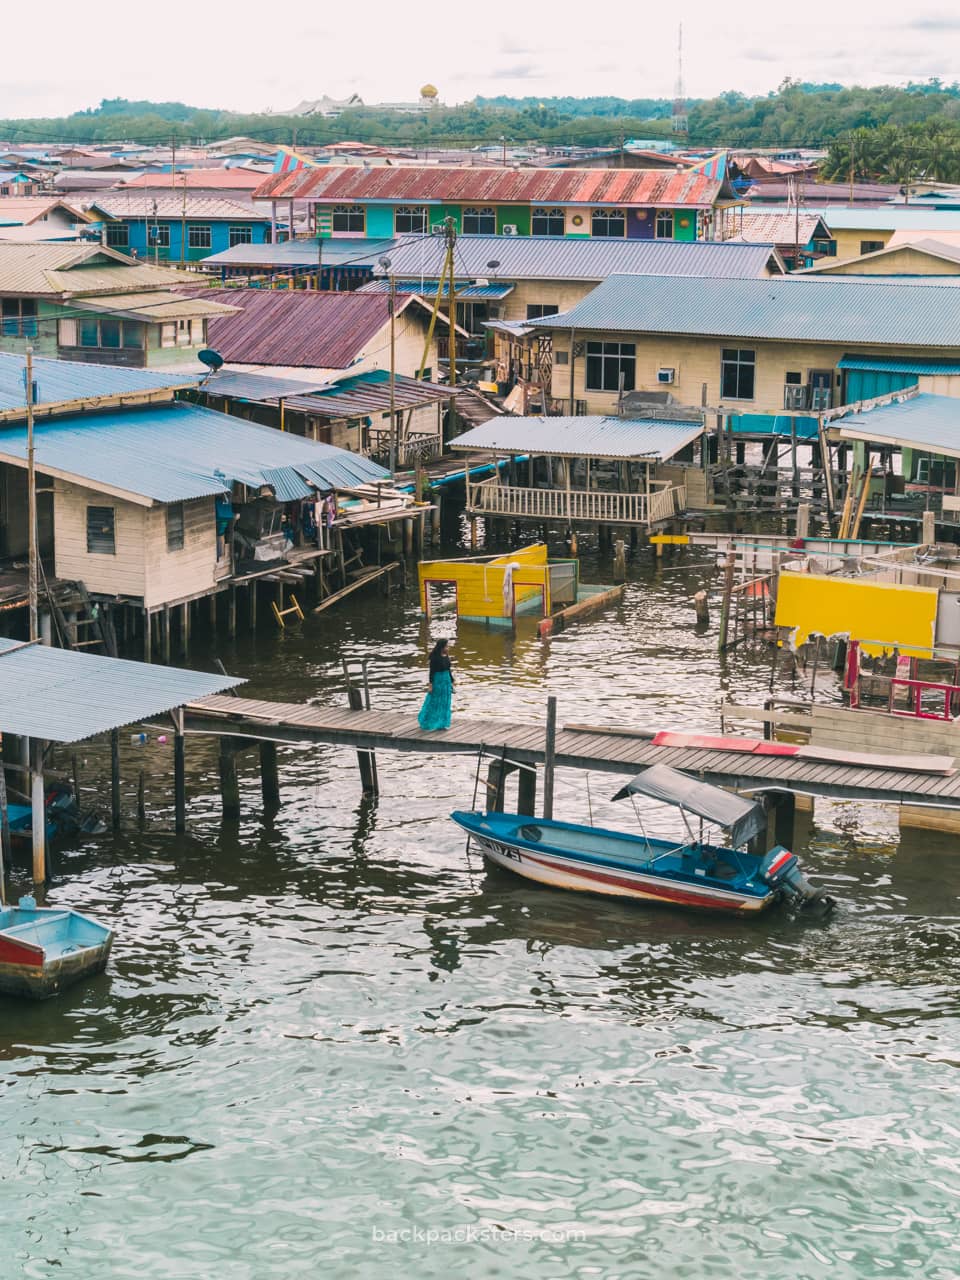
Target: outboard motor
x=781 y=870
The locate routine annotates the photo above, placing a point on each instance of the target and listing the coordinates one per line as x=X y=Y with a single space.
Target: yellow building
x=920 y=257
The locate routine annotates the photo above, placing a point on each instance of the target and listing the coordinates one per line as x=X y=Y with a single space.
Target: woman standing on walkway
x=435 y=712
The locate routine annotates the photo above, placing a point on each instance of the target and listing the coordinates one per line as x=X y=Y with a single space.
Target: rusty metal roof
x=296 y=328
x=368 y=393
x=622 y=187
x=199 y=180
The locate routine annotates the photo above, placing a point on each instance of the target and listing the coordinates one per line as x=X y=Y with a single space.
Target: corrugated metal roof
x=153 y=306
x=147 y=205
x=199 y=180
x=843 y=309
x=931 y=423
x=169 y=453
x=65 y=381
x=28 y=209
x=303 y=253
x=889 y=217
x=59 y=695
x=418 y=184
x=563 y=258
x=465 y=292
x=878 y=364
x=257 y=387
x=75 y=268
x=588 y=436
x=311 y=328
x=780 y=226
x=368 y=393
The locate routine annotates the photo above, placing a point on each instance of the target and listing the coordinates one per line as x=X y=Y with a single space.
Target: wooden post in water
x=620 y=560
x=179 y=776
x=702 y=608
x=728 y=571
x=229 y=785
x=4 y=832
x=114 y=779
x=141 y=803
x=549 y=757
x=784 y=815
x=527 y=797
x=39 y=812
x=232 y=613
x=367 y=760
x=147 y=637
x=802 y=528
x=497 y=771
x=269 y=778
x=166 y=633
x=929 y=526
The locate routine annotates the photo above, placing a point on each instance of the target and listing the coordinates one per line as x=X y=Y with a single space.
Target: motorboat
x=686 y=872
x=45 y=949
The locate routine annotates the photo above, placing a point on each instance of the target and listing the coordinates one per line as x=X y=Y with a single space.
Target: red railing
x=948 y=697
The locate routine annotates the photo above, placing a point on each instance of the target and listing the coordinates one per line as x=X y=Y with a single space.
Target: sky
x=249 y=57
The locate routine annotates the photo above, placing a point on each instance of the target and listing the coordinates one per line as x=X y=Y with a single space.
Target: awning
x=744 y=819
x=879 y=364
x=587 y=436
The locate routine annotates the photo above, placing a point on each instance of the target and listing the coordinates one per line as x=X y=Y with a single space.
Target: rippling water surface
x=335 y=1045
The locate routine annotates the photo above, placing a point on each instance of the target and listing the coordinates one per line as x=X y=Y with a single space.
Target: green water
x=335 y=1045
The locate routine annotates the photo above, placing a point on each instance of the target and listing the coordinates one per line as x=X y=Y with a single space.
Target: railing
x=493 y=498
x=918 y=699
x=424 y=447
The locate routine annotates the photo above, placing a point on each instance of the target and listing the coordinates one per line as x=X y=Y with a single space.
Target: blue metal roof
x=303 y=253
x=62 y=381
x=60 y=695
x=257 y=386
x=169 y=453
x=930 y=423
x=811 y=309
x=879 y=364
x=889 y=217
x=465 y=292
x=582 y=437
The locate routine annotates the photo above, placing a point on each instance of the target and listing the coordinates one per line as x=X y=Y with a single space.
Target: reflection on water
x=324 y=1031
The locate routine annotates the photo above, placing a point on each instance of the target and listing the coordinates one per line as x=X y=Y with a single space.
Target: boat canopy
x=742 y=818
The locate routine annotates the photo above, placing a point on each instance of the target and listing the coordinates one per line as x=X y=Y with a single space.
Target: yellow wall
x=848 y=241
x=480 y=583
x=697 y=361
x=896 y=616
x=903 y=261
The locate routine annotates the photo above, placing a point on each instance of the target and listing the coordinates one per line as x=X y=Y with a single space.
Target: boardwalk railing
x=662 y=503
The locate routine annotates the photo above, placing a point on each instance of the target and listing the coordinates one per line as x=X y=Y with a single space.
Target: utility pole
x=451 y=237
x=32 y=591
x=173 y=163
x=183 y=224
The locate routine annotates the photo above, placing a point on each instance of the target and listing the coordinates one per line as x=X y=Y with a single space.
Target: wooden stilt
x=435 y=519
x=784 y=815
x=39 y=815
x=232 y=613
x=497 y=772
x=212 y=606
x=179 y=781
x=366 y=760
x=253 y=605
x=115 y=779
x=4 y=833
x=166 y=633
x=549 y=758
x=527 y=797
x=408 y=537
x=229 y=784
x=269 y=778
x=147 y=637
x=141 y=802
x=185 y=629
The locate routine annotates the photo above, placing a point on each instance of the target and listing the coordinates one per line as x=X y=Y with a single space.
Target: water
x=334 y=1045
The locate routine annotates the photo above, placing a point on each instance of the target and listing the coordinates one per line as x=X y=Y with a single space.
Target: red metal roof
x=298 y=328
x=624 y=187
x=199 y=180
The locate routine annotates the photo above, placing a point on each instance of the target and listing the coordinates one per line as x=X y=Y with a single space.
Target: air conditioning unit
x=795 y=396
x=666 y=375
x=438 y=229
x=510 y=229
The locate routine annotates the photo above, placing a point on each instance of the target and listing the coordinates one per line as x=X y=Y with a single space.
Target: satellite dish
x=212 y=359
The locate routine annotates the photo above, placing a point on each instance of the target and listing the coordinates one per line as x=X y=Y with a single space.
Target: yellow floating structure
x=882 y=615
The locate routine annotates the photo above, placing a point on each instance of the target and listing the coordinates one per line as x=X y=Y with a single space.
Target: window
x=608 y=222
x=535 y=310
x=936 y=472
x=827 y=247
x=606 y=361
x=19 y=318
x=101 y=531
x=737 y=373
x=871 y=246
x=118 y=235
x=175 y=526
x=547 y=222
x=663 y=227
x=240 y=235
x=198 y=236
x=793 y=379
x=410 y=217
x=480 y=222
x=102 y=332
x=349 y=217
x=158 y=237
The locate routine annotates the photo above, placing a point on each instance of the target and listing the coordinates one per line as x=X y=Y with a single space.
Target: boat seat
x=30 y=926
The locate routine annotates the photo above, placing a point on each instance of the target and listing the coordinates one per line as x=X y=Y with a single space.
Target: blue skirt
x=435 y=712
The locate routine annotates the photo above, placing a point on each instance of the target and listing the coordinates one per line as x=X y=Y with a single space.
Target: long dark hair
x=438 y=659
x=437 y=650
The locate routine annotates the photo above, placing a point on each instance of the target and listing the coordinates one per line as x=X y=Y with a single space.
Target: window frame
x=537 y=310
x=607 y=217
x=18 y=318
x=664 y=216
x=239 y=233
x=115 y=229
x=411 y=213
x=175 y=526
x=611 y=364
x=107 y=517
x=479 y=215
x=158 y=235
x=130 y=333
x=545 y=214
x=349 y=214
x=733 y=363
x=199 y=235
x=871 y=246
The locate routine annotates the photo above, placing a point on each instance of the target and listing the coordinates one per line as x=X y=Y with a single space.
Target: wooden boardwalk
x=919 y=780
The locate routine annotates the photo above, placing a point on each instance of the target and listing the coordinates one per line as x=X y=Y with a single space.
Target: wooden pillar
x=497 y=772
x=802 y=529
x=729 y=567
x=929 y=526
x=527 y=791
x=435 y=519
x=232 y=612
x=269 y=779
x=229 y=784
x=147 y=636
x=366 y=760
x=114 y=779
x=253 y=604
x=166 y=633
x=213 y=611
x=4 y=833
x=473 y=533
x=39 y=814
x=702 y=608
x=620 y=560
x=784 y=814
x=549 y=757
x=141 y=804
x=408 y=537
x=179 y=779
x=185 y=629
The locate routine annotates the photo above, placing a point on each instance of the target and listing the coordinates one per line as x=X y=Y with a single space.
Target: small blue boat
x=685 y=872
x=45 y=949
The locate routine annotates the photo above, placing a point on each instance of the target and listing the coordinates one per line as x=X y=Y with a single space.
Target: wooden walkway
x=916 y=781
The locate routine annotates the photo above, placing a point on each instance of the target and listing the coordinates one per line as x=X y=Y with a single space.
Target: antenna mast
x=678 y=122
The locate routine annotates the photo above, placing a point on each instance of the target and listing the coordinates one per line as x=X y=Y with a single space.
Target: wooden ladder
x=93 y=628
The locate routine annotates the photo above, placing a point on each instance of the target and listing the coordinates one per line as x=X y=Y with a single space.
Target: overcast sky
x=251 y=57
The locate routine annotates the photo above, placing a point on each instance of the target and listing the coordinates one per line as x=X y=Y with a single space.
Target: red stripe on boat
x=13 y=951
x=658 y=888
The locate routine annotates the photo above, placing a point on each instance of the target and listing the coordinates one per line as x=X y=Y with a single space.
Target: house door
x=821 y=389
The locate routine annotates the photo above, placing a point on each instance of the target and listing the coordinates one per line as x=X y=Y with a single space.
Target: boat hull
x=43 y=950
x=40 y=982
x=563 y=870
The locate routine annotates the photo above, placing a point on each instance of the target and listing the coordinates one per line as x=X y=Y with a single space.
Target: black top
x=438 y=662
